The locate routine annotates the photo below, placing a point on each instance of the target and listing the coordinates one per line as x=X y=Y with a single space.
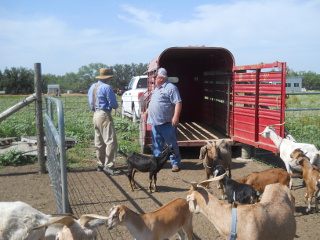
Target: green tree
x=18 y=80
x=310 y=80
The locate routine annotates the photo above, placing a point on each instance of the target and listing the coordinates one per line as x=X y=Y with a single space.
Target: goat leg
x=155 y=182
x=150 y=182
x=181 y=234
x=317 y=198
x=223 y=192
x=130 y=179
x=308 y=199
x=133 y=182
x=229 y=167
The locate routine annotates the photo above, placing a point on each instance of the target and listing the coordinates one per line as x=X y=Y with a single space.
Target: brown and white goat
x=259 y=180
x=216 y=153
x=173 y=217
x=252 y=221
x=310 y=176
x=144 y=163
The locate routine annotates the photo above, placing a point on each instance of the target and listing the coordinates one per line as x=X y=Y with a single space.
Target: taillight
x=140 y=95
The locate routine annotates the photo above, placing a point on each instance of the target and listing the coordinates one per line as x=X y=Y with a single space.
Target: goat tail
x=122 y=153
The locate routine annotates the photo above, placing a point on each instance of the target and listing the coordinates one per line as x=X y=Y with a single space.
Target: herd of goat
x=262 y=202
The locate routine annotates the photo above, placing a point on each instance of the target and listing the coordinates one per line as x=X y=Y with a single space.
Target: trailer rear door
x=258 y=100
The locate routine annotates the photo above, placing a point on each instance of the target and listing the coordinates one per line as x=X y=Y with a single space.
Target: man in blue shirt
x=102 y=100
x=163 y=114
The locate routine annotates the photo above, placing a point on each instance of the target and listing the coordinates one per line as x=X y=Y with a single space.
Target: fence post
x=39 y=117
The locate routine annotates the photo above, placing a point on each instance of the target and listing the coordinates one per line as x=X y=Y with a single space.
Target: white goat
x=19 y=220
x=160 y=224
x=286 y=147
x=252 y=221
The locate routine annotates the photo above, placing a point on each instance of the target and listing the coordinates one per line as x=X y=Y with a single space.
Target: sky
x=64 y=35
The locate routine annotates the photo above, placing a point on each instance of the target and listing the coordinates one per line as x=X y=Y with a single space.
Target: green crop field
x=78 y=125
x=303 y=125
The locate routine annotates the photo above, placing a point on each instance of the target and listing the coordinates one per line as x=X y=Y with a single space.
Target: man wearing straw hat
x=102 y=100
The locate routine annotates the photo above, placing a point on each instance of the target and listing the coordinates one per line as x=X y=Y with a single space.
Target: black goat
x=236 y=192
x=144 y=163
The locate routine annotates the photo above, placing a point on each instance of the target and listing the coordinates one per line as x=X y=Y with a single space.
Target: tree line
x=21 y=80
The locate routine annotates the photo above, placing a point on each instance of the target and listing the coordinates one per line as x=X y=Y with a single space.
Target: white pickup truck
x=131 y=99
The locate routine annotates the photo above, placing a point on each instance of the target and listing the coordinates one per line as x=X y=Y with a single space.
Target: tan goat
x=216 y=153
x=259 y=180
x=310 y=176
x=252 y=221
x=160 y=224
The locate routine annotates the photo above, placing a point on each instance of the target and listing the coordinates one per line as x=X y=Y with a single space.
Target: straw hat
x=105 y=73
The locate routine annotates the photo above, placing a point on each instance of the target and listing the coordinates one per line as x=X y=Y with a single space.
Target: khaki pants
x=105 y=139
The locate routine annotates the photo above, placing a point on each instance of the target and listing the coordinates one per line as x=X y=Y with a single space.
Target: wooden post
x=39 y=117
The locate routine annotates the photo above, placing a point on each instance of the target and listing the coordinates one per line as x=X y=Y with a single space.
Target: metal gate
x=56 y=152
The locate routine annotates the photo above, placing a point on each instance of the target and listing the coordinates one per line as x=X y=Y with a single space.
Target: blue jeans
x=168 y=134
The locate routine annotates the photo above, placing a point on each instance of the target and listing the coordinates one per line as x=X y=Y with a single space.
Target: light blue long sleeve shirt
x=105 y=97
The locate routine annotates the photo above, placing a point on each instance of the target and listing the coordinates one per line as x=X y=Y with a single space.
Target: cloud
x=272 y=30
x=253 y=31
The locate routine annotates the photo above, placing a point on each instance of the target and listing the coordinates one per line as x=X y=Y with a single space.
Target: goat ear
x=122 y=215
x=193 y=184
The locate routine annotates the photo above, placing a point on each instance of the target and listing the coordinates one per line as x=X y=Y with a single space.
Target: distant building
x=294 y=84
x=54 y=89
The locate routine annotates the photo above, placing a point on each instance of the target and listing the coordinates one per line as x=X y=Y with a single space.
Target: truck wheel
x=134 y=115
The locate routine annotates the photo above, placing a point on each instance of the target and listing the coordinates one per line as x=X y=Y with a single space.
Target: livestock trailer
x=219 y=99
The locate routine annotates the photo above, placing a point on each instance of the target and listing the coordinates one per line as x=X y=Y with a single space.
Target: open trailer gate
x=219 y=100
x=258 y=100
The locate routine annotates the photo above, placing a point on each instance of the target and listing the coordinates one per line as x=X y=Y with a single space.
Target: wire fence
x=303 y=121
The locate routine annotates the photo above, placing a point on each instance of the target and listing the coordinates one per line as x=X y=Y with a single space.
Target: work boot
x=175 y=169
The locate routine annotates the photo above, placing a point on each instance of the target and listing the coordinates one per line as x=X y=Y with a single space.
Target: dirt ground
x=94 y=192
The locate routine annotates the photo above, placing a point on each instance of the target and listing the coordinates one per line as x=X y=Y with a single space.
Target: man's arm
x=176 y=115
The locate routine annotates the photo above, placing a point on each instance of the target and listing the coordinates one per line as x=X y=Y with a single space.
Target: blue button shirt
x=162 y=104
x=105 y=97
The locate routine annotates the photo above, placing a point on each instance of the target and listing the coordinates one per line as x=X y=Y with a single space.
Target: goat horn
x=277 y=124
x=86 y=218
x=206 y=182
